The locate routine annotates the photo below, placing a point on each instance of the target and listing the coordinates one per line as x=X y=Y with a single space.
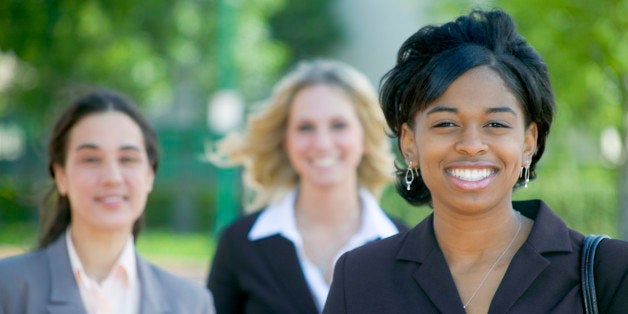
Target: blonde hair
x=267 y=169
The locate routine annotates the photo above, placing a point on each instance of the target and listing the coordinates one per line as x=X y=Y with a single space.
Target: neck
x=98 y=251
x=331 y=207
x=326 y=220
x=474 y=235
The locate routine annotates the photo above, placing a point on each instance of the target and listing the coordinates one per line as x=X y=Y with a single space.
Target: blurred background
x=197 y=67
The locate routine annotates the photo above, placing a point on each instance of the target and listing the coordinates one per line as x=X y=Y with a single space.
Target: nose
x=322 y=139
x=471 y=142
x=112 y=173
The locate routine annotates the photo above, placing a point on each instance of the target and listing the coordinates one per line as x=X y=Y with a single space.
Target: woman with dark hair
x=103 y=156
x=471 y=105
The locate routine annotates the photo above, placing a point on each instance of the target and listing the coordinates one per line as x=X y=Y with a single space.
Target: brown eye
x=495 y=124
x=90 y=160
x=444 y=124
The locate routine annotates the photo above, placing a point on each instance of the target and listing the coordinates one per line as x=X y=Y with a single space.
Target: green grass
x=163 y=244
x=155 y=244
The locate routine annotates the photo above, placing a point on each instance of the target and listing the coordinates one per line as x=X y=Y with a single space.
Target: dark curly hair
x=433 y=57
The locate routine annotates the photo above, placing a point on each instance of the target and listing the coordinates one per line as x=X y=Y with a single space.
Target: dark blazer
x=42 y=282
x=261 y=276
x=407 y=273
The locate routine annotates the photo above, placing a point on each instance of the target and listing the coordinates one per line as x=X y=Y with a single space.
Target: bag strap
x=589 y=246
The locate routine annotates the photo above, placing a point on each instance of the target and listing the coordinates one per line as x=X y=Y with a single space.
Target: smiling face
x=107 y=175
x=324 y=137
x=471 y=143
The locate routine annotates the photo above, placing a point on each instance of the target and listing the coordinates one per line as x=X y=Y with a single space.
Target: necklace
x=496 y=262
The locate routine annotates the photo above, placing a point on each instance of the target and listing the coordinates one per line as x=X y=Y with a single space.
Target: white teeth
x=471 y=174
x=112 y=199
x=324 y=162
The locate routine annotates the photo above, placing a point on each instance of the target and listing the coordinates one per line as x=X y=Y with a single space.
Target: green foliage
x=146 y=49
x=309 y=28
x=15 y=203
x=397 y=207
x=584 y=44
x=19 y=234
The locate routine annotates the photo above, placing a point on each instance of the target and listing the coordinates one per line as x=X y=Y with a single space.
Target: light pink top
x=119 y=292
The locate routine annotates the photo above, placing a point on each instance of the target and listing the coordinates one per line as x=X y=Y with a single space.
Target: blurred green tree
x=155 y=51
x=308 y=28
x=164 y=55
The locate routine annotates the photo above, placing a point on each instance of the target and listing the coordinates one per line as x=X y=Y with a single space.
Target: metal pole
x=226 y=201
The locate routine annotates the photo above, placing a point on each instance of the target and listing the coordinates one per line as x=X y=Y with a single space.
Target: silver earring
x=409 y=176
x=525 y=173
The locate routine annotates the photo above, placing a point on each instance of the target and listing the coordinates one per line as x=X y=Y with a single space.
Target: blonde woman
x=316 y=157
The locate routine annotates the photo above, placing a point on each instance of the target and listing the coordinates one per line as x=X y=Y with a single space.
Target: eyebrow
x=442 y=109
x=93 y=146
x=455 y=110
x=501 y=109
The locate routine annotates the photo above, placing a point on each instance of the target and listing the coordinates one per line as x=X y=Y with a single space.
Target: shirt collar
x=126 y=262
x=278 y=218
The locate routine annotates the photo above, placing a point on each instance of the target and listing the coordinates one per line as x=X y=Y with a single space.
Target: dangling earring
x=525 y=172
x=409 y=176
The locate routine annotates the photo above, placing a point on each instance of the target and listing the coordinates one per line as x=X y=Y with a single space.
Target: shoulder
x=400 y=224
x=174 y=283
x=372 y=272
x=235 y=235
x=15 y=267
x=24 y=280
x=18 y=260
x=184 y=295
x=241 y=226
x=611 y=275
x=375 y=254
x=612 y=258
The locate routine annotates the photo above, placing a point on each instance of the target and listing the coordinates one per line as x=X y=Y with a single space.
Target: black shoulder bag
x=589 y=246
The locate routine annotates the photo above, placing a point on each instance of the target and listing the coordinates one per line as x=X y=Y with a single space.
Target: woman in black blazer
x=471 y=105
x=316 y=157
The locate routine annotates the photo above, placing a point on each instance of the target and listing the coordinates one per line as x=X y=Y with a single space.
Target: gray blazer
x=42 y=282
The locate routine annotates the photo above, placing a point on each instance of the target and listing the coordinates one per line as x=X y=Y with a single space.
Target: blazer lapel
x=152 y=296
x=434 y=277
x=529 y=262
x=432 y=274
x=281 y=256
x=64 y=293
x=525 y=267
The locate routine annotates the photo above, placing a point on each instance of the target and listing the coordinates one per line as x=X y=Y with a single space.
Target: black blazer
x=407 y=273
x=261 y=276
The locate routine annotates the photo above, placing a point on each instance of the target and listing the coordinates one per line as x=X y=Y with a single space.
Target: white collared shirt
x=119 y=292
x=279 y=218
